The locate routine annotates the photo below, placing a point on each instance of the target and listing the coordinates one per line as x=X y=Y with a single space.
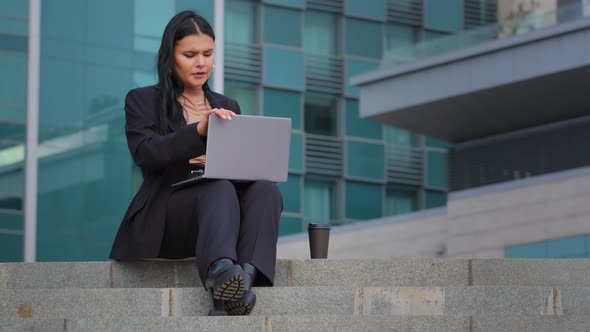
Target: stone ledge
x=533 y=323
x=312 y=301
x=419 y=272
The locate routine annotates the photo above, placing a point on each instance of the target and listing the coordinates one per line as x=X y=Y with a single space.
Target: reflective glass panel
x=400 y=200
x=240 y=22
x=319 y=200
x=245 y=95
x=320 y=33
x=321 y=115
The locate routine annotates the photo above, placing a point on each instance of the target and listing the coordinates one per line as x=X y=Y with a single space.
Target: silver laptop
x=245 y=148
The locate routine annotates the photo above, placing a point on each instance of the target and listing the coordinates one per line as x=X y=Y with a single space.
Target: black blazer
x=164 y=160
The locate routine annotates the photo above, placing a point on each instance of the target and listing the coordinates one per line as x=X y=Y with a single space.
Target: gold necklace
x=194 y=106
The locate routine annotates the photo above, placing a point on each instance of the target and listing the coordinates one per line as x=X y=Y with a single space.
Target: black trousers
x=222 y=218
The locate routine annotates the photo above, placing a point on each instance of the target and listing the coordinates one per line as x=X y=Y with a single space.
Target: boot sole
x=229 y=286
x=243 y=306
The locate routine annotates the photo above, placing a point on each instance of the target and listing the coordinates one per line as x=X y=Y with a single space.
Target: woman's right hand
x=222 y=113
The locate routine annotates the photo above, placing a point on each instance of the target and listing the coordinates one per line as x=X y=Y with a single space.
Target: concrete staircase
x=310 y=295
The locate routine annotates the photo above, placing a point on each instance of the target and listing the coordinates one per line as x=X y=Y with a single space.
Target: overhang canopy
x=493 y=88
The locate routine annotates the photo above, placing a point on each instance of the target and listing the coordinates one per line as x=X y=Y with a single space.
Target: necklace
x=194 y=106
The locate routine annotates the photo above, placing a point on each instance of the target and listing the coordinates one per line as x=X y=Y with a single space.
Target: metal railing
x=467 y=38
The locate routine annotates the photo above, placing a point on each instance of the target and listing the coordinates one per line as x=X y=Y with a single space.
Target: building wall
x=543 y=216
x=13 y=95
x=282 y=58
x=289 y=58
x=301 y=55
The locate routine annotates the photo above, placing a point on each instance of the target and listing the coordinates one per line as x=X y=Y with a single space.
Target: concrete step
x=346 y=272
x=498 y=323
x=368 y=301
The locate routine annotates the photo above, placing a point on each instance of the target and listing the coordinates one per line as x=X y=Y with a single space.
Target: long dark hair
x=170 y=87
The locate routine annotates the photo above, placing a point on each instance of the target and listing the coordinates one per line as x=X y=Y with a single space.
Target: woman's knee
x=220 y=189
x=268 y=191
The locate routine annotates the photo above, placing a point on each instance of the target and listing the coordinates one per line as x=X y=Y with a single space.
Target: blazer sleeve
x=236 y=107
x=148 y=148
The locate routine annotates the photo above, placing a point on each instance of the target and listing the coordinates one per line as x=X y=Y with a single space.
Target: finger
x=224 y=114
x=229 y=113
x=220 y=113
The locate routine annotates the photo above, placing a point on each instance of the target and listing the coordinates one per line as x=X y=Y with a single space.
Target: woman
x=230 y=227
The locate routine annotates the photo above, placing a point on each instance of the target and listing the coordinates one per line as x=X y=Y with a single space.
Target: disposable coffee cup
x=319 y=237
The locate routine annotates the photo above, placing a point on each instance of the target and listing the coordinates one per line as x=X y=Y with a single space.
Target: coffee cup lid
x=318 y=226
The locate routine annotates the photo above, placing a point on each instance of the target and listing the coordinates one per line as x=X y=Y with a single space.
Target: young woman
x=231 y=228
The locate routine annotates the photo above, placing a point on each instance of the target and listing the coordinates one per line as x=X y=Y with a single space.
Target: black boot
x=245 y=304
x=225 y=281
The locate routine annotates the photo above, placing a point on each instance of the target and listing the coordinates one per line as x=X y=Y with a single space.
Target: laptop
x=245 y=148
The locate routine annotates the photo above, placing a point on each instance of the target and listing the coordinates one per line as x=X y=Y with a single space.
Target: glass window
x=283 y=68
x=289 y=225
x=81 y=128
x=434 y=199
x=103 y=22
x=240 y=22
x=400 y=200
x=283 y=103
x=363 y=200
x=572 y=246
x=568 y=247
x=320 y=34
x=529 y=250
x=14 y=8
x=368 y=8
x=432 y=35
x=435 y=142
x=11 y=247
x=321 y=115
x=282 y=26
x=11 y=133
x=292 y=3
x=569 y=10
x=355 y=126
x=13 y=81
x=399 y=41
x=13 y=113
x=355 y=67
x=365 y=160
x=296 y=153
x=363 y=38
x=291 y=191
x=141 y=78
x=17 y=26
x=437 y=169
x=319 y=201
x=446 y=15
x=203 y=7
x=13 y=43
x=398 y=136
x=11 y=214
x=150 y=19
x=245 y=95
x=13 y=17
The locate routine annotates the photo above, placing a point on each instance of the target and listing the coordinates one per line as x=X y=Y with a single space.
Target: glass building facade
x=288 y=58
x=568 y=247
x=13 y=95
